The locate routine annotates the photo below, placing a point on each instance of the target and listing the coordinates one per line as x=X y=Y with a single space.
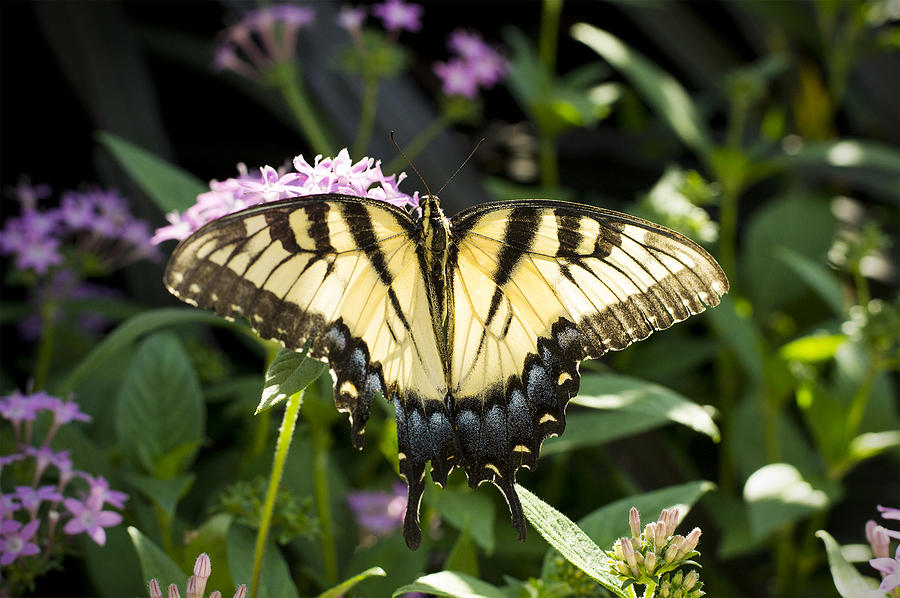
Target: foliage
x=762 y=130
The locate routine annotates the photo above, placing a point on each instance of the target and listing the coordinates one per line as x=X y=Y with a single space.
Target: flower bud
x=677 y=579
x=650 y=533
x=672 y=551
x=215 y=594
x=689 y=543
x=173 y=591
x=671 y=521
x=628 y=553
x=622 y=568
x=691 y=579
x=634 y=522
x=650 y=562
x=241 y=591
x=155 y=590
x=203 y=566
x=190 y=589
x=617 y=549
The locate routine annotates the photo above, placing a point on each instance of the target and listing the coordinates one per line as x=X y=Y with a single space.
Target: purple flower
x=27 y=194
x=398 y=15
x=379 y=513
x=15 y=541
x=889 y=512
x=326 y=175
x=39 y=255
x=18 y=407
x=8 y=506
x=265 y=36
x=890 y=571
x=32 y=498
x=11 y=458
x=100 y=493
x=67 y=411
x=88 y=518
x=352 y=18
x=457 y=78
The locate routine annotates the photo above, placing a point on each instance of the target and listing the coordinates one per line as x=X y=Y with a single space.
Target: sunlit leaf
x=155 y=563
x=778 y=494
x=345 y=586
x=812 y=349
x=453 y=584
x=289 y=373
x=848 y=581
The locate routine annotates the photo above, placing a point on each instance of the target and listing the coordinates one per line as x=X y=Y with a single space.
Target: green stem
x=45 y=345
x=419 y=143
x=320 y=442
x=770 y=429
x=862 y=286
x=650 y=590
x=285 y=434
x=860 y=400
x=736 y=123
x=785 y=554
x=548 y=161
x=287 y=77
x=728 y=218
x=549 y=34
x=165 y=528
x=366 y=116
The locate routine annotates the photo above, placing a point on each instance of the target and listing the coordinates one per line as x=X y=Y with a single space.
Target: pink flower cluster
x=32 y=514
x=475 y=65
x=94 y=221
x=340 y=174
x=879 y=539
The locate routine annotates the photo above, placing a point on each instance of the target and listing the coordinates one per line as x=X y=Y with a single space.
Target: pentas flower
x=89 y=518
x=340 y=174
x=27 y=194
x=100 y=492
x=890 y=571
x=352 y=18
x=15 y=540
x=379 y=513
x=397 y=15
x=31 y=498
x=262 y=38
x=196 y=583
x=476 y=65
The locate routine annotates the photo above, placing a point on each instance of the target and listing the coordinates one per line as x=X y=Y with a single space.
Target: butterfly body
x=473 y=326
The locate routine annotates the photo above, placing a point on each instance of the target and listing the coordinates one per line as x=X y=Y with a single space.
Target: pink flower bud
x=241 y=591
x=155 y=590
x=690 y=542
x=203 y=566
x=650 y=563
x=628 y=552
x=173 y=591
x=634 y=521
x=691 y=579
x=650 y=533
x=190 y=589
x=215 y=594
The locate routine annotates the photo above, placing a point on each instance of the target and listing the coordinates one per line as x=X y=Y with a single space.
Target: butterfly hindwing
x=538 y=286
x=339 y=272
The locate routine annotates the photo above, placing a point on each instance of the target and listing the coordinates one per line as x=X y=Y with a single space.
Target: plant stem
x=45 y=346
x=548 y=161
x=549 y=34
x=287 y=78
x=547 y=45
x=650 y=590
x=366 y=116
x=419 y=142
x=320 y=441
x=728 y=218
x=285 y=434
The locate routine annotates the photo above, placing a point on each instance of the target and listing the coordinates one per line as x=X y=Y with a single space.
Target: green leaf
x=114 y=568
x=660 y=90
x=168 y=185
x=865 y=446
x=155 y=563
x=778 y=494
x=289 y=373
x=159 y=408
x=450 y=583
x=463 y=557
x=741 y=334
x=275 y=578
x=467 y=510
x=798 y=224
x=610 y=522
x=847 y=580
x=644 y=399
x=816 y=276
x=813 y=348
x=131 y=330
x=165 y=493
x=401 y=565
x=567 y=538
x=345 y=586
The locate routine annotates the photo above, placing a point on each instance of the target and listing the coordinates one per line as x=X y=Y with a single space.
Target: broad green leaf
x=170 y=187
x=847 y=580
x=816 y=276
x=289 y=373
x=865 y=446
x=391 y=553
x=114 y=568
x=778 y=494
x=591 y=429
x=131 y=330
x=275 y=578
x=644 y=399
x=848 y=153
x=740 y=333
x=610 y=522
x=159 y=408
x=155 y=563
x=165 y=493
x=569 y=540
x=463 y=557
x=345 y=586
x=812 y=349
x=659 y=89
x=453 y=584
x=465 y=509
x=798 y=224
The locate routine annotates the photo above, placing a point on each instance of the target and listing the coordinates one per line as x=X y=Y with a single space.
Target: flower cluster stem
x=419 y=143
x=291 y=86
x=285 y=434
x=320 y=441
x=367 y=115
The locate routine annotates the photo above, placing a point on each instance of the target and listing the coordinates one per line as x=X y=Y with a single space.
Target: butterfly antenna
x=469 y=157
x=411 y=165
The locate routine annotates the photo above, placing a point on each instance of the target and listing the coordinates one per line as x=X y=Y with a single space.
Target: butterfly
x=472 y=326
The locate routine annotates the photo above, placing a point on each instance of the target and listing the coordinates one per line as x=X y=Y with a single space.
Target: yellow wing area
x=340 y=272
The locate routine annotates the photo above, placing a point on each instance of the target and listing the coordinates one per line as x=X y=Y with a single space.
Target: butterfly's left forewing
x=342 y=273
x=538 y=286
